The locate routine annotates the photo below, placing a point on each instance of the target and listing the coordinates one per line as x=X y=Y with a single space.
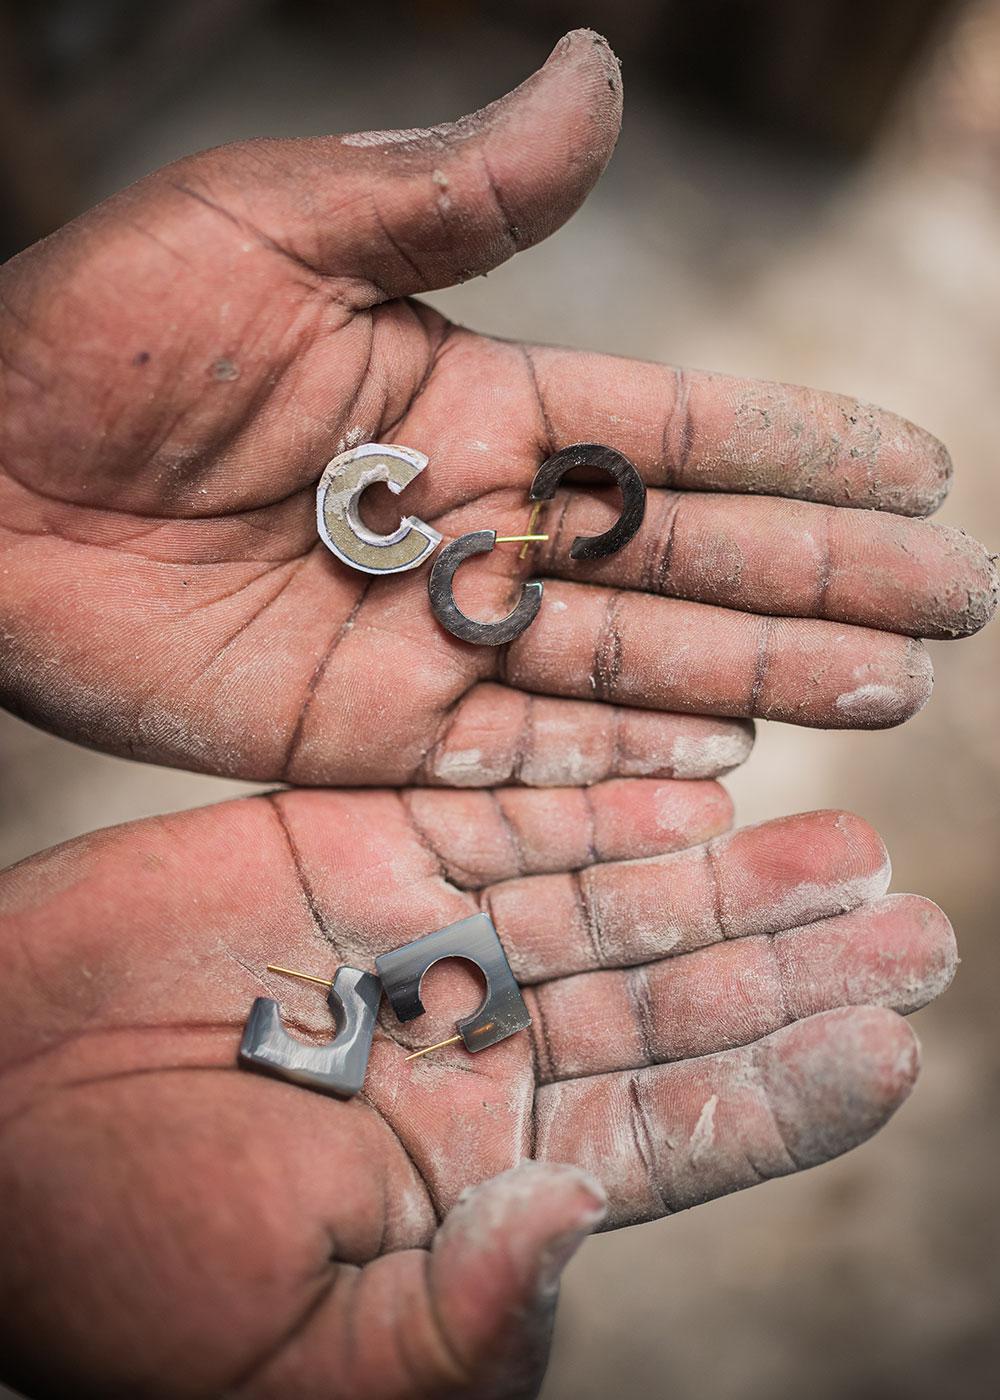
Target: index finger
x=713 y=432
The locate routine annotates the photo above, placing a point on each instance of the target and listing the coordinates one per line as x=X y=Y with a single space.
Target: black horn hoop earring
x=447 y=611
x=628 y=480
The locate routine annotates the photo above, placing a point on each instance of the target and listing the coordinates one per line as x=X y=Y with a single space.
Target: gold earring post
x=417 y=1053
x=306 y=976
x=536 y=511
x=513 y=539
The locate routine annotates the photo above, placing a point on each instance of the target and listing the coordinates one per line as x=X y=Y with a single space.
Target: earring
x=335 y=1068
x=502 y=1012
x=339 y=1066
x=630 y=483
x=338 y=518
x=449 y=614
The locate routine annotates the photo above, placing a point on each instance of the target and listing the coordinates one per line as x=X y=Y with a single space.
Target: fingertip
x=933 y=469
x=929 y=947
x=589 y=52
x=896 y=951
x=835 y=851
x=720 y=808
x=864 y=849
x=567 y=114
x=969 y=588
x=833 y=1080
x=715 y=749
x=890 y=694
x=686 y=814
x=515 y=1233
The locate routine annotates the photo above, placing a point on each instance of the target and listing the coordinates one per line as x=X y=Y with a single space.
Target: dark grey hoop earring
x=630 y=483
x=447 y=611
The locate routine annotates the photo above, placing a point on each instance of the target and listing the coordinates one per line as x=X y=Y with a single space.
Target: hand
x=175 y=1226
x=179 y=364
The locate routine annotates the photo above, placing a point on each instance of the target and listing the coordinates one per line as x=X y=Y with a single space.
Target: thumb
x=495 y=1268
x=408 y=211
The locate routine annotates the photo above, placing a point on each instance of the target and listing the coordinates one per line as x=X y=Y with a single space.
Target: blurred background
x=805 y=190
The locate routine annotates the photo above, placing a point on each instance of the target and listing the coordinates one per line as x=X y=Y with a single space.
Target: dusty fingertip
x=939 y=947
x=537 y=1213
x=865 y=851
x=585 y=48
x=938 y=473
x=581 y=43
x=530 y=1180
x=713 y=754
x=981 y=586
x=834 y=1079
x=886 y=698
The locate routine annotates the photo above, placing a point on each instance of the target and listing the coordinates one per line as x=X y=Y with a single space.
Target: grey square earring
x=502 y=1011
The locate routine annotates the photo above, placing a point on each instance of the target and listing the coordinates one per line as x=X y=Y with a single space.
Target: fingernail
x=561 y=1249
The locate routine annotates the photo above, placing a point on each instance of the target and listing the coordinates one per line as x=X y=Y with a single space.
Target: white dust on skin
x=911 y=963
x=464 y=768
x=560 y=762
x=405 y=136
x=702 y=1138
x=672 y=808
x=811 y=900
x=831 y=1087
x=871 y=699
x=565 y=766
x=875 y=701
x=411 y=1219
x=709 y=755
x=351 y=438
x=440 y=179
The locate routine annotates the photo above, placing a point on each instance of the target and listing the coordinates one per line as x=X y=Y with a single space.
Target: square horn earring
x=502 y=1012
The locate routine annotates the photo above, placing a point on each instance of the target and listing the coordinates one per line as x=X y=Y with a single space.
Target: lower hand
x=177 y=1227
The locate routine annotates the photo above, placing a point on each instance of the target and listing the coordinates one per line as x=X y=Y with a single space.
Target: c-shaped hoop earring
x=630 y=483
x=447 y=611
x=338 y=518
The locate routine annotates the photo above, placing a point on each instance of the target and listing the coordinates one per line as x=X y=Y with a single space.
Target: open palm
x=177 y=366
x=176 y=1226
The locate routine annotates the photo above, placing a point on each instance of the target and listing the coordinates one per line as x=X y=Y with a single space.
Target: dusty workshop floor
x=876 y=1276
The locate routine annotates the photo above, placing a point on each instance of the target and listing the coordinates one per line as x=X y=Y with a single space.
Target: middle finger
x=662 y=654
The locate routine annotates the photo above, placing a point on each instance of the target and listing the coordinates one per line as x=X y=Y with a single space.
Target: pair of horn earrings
x=353 y=997
x=343 y=531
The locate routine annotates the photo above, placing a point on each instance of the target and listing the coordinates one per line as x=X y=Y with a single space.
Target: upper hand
x=177 y=366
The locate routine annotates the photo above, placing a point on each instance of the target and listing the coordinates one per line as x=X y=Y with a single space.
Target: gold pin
x=513 y=539
x=452 y=1040
x=306 y=976
x=536 y=511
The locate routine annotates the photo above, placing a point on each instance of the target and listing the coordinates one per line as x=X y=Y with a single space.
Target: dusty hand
x=175 y=1226
x=179 y=364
